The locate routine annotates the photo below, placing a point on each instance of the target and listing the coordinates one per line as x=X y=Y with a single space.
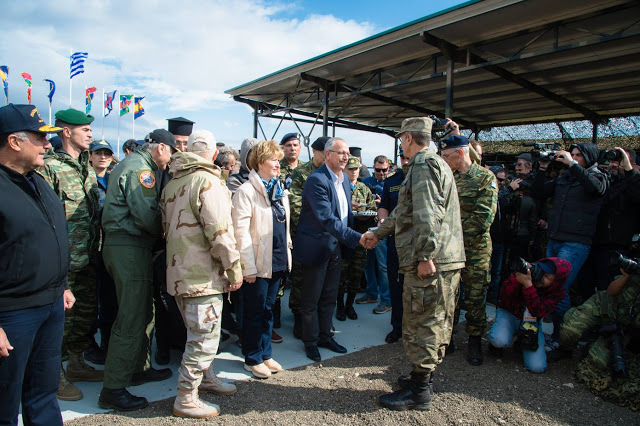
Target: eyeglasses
x=381 y=170
x=341 y=154
x=501 y=179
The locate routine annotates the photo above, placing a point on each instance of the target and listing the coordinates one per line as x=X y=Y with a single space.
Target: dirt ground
x=344 y=391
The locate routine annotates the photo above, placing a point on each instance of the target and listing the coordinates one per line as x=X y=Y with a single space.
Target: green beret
x=73 y=116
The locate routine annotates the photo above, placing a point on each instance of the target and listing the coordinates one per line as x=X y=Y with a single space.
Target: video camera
x=629 y=265
x=438 y=126
x=522 y=266
x=612 y=155
x=545 y=151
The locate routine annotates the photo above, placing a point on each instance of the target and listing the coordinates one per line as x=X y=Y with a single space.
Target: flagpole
x=133 y=118
x=103 y=113
x=50 y=113
x=118 y=130
x=70 y=79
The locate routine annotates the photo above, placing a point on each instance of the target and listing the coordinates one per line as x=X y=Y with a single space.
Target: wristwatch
x=573 y=162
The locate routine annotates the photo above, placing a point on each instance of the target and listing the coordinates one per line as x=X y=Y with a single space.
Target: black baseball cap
x=161 y=136
x=18 y=118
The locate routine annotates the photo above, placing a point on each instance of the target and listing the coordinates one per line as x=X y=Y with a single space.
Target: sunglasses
x=501 y=179
x=381 y=170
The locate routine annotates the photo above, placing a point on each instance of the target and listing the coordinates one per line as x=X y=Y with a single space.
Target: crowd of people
x=190 y=238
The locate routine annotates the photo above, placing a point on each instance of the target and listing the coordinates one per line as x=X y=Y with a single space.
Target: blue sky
x=182 y=56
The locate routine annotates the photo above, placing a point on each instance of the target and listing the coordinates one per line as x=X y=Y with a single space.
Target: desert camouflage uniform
x=75 y=183
x=202 y=257
x=298 y=178
x=352 y=268
x=478 y=194
x=427 y=226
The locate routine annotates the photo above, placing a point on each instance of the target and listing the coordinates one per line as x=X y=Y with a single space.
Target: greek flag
x=77 y=64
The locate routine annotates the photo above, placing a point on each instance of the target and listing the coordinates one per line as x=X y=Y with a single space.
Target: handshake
x=368 y=240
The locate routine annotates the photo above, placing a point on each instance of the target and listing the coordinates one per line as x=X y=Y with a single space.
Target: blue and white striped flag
x=77 y=64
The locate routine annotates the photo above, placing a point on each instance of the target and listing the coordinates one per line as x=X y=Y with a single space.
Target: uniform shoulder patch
x=147 y=179
x=493 y=184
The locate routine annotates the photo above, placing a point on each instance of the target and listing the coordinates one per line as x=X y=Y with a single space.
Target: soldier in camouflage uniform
x=428 y=236
x=203 y=263
x=298 y=178
x=478 y=195
x=69 y=173
x=619 y=308
x=361 y=201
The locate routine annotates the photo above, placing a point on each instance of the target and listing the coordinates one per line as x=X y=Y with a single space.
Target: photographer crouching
x=531 y=292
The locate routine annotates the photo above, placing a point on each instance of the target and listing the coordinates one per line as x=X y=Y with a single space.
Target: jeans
x=257 y=322
x=576 y=254
x=31 y=372
x=378 y=284
x=496 y=269
x=501 y=336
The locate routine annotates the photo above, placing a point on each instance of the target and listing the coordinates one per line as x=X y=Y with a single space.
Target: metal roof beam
x=468 y=57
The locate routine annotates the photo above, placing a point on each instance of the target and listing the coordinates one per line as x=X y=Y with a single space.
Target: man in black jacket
x=577 y=195
x=34 y=262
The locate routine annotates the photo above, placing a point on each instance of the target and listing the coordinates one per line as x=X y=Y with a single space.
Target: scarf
x=275 y=194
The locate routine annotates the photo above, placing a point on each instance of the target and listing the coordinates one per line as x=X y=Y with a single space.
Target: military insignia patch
x=147 y=179
x=493 y=185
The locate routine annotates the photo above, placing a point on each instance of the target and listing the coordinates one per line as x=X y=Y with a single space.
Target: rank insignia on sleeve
x=147 y=179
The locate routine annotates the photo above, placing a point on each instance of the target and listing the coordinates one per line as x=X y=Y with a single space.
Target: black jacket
x=577 y=196
x=619 y=219
x=34 y=245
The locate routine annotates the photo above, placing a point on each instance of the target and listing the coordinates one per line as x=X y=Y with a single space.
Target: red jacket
x=541 y=302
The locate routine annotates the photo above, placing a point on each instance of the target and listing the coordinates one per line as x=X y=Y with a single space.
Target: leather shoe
x=150 y=375
x=121 y=400
x=393 y=336
x=313 y=353
x=351 y=313
x=332 y=345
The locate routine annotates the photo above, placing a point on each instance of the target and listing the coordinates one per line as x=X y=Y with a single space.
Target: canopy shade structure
x=485 y=64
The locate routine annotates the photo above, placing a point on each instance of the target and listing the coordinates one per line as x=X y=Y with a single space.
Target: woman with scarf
x=261 y=225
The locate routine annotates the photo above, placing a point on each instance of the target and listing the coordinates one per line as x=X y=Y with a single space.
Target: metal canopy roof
x=510 y=62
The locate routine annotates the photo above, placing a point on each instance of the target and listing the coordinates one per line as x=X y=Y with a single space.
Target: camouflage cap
x=353 y=163
x=416 y=124
x=73 y=116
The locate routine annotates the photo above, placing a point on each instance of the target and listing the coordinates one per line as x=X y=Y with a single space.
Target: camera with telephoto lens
x=612 y=155
x=522 y=266
x=629 y=265
x=544 y=151
x=438 y=123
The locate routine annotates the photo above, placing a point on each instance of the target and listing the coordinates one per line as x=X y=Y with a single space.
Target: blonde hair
x=262 y=152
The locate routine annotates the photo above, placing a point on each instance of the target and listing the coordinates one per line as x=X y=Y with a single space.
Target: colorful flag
x=27 y=79
x=125 y=101
x=4 y=75
x=89 y=93
x=77 y=63
x=108 y=102
x=138 y=109
x=52 y=89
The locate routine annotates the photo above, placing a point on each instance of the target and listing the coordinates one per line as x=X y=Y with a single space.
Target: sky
x=182 y=56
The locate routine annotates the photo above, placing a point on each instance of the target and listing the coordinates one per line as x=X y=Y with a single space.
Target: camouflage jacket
x=300 y=175
x=286 y=172
x=625 y=307
x=426 y=221
x=362 y=194
x=131 y=215
x=196 y=217
x=478 y=195
x=74 y=181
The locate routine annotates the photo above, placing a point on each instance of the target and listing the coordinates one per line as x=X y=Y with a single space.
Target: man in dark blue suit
x=322 y=238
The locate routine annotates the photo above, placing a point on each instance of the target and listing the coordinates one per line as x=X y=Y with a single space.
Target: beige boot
x=67 y=391
x=213 y=384
x=78 y=371
x=188 y=404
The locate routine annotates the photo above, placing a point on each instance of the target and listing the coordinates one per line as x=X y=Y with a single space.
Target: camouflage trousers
x=79 y=319
x=427 y=321
x=296 y=287
x=202 y=317
x=475 y=279
x=351 y=271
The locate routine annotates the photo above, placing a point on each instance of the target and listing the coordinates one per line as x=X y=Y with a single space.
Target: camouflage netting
x=515 y=147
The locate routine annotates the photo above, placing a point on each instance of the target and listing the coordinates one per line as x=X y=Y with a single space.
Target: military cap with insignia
x=353 y=163
x=18 y=118
x=98 y=145
x=161 y=136
x=73 y=116
x=180 y=126
x=416 y=124
x=290 y=137
x=454 y=142
x=319 y=143
x=355 y=151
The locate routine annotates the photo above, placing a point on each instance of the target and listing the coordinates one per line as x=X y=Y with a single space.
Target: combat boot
x=67 y=391
x=188 y=404
x=79 y=371
x=405 y=380
x=213 y=384
x=417 y=396
x=348 y=308
x=474 y=350
x=340 y=315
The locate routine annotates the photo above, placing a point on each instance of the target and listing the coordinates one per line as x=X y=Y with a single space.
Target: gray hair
x=328 y=145
x=22 y=135
x=150 y=146
x=420 y=138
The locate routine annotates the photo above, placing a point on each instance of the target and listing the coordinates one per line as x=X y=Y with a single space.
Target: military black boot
x=416 y=396
x=297 y=326
x=474 y=350
x=276 y=313
x=405 y=380
x=340 y=315
x=348 y=308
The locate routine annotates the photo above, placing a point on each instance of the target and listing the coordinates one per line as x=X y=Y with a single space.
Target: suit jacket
x=320 y=228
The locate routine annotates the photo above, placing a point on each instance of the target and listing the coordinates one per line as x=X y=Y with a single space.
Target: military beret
x=73 y=116
x=353 y=163
x=290 y=137
x=416 y=124
x=98 y=145
x=319 y=143
x=454 y=142
x=356 y=151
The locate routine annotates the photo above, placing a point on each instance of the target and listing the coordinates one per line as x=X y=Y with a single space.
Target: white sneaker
x=259 y=371
x=273 y=365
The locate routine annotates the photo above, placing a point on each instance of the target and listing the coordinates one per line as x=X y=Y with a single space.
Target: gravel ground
x=344 y=391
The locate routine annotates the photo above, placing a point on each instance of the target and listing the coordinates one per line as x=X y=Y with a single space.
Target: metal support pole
x=594 y=136
x=325 y=113
x=395 y=152
x=449 y=95
x=255 y=122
